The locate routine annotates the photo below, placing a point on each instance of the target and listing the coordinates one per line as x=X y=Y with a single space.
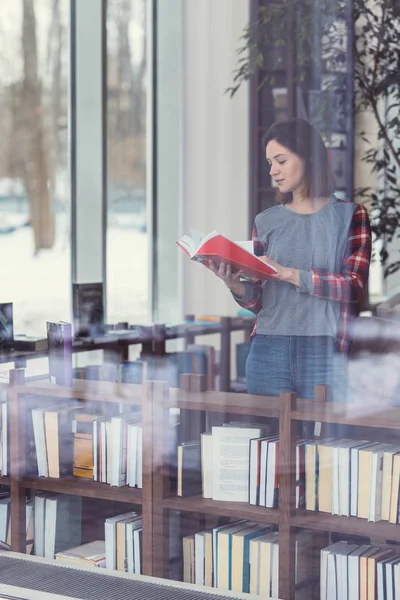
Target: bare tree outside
x=34 y=190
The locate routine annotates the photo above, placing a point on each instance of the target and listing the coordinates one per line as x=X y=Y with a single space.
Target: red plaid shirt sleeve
x=348 y=286
x=252 y=298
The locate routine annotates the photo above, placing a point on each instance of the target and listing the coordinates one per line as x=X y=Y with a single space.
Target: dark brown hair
x=300 y=137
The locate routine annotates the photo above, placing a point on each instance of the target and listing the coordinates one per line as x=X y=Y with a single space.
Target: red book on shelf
x=218 y=248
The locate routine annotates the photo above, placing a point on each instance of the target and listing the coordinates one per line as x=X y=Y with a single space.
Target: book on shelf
x=218 y=248
x=59 y=341
x=6 y=324
x=359 y=572
x=110 y=532
x=230 y=464
x=82 y=429
x=88 y=309
x=189 y=469
x=92 y=554
x=243 y=556
x=57 y=523
x=59 y=439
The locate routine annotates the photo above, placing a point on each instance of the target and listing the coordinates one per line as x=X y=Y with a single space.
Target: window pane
x=127 y=245
x=34 y=189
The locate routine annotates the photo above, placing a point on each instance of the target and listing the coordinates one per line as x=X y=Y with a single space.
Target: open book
x=218 y=248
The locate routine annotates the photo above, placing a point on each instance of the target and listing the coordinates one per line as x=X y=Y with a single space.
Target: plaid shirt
x=346 y=287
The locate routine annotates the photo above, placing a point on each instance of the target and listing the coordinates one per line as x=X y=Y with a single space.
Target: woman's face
x=286 y=168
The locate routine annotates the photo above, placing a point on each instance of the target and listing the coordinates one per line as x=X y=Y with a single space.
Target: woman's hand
x=283 y=273
x=231 y=280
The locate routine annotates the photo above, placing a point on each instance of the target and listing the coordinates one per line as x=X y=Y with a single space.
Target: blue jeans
x=295 y=364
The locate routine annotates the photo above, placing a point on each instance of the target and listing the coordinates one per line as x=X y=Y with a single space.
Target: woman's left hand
x=284 y=273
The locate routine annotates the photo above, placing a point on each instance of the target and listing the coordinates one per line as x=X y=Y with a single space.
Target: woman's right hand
x=231 y=280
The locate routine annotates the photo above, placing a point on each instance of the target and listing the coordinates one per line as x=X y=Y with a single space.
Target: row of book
x=234 y=462
x=121 y=549
x=238 y=462
x=53 y=530
x=69 y=441
x=353 y=478
x=243 y=557
x=359 y=572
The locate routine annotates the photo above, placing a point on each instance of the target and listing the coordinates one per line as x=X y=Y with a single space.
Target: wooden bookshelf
x=157 y=498
x=197 y=504
x=78 y=486
x=345 y=525
x=19 y=398
x=289 y=411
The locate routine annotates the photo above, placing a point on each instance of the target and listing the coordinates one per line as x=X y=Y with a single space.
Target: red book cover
x=218 y=248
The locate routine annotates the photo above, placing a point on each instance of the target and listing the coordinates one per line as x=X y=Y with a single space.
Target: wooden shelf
x=79 y=486
x=347 y=525
x=236 y=403
x=239 y=510
x=348 y=414
x=5 y=480
x=86 y=389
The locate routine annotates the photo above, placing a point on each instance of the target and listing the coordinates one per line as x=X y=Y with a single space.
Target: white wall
x=215 y=169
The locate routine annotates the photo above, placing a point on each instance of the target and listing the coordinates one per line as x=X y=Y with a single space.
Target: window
x=127 y=237
x=34 y=189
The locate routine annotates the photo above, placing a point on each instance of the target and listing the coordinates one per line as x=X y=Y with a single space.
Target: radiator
x=33 y=578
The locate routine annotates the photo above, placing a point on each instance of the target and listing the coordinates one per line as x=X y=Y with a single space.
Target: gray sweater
x=304 y=242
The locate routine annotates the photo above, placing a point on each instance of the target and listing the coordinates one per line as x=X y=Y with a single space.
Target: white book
x=103 y=452
x=274 y=568
x=110 y=534
x=118 y=440
x=342 y=570
x=137 y=542
x=207 y=464
x=397 y=581
x=353 y=570
x=4 y=518
x=335 y=480
x=231 y=462
x=38 y=524
x=130 y=527
x=263 y=468
x=199 y=562
x=333 y=575
x=263 y=471
x=325 y=553
x=345 y=475
x=39 y=436
x=62 y=526
x=354 y=458
x=139 y=459
x=375 y=500
x=270 y=494
x=389 y=579
x=387 y=477
x=132 y=454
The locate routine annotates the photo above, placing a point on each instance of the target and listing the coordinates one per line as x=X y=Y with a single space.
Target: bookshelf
x=19 y=397
x=157 y=497
x=290 y=411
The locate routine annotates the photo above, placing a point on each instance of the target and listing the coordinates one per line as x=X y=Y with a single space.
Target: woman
x=321 y=248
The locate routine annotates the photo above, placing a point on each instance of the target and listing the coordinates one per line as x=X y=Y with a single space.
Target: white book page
x=248 y=246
